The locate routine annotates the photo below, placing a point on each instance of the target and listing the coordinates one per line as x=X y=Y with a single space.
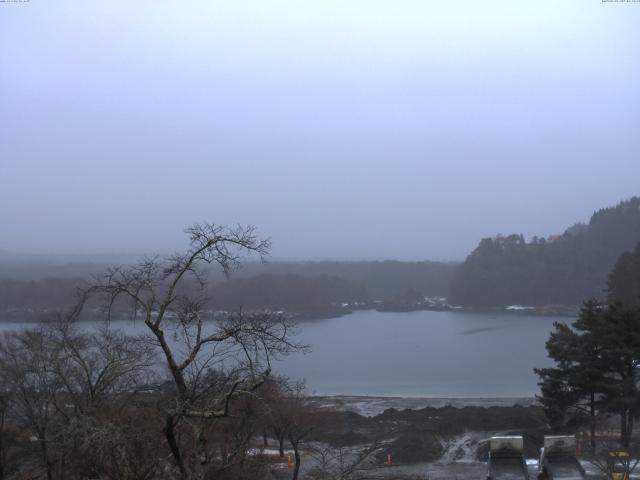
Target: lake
x=424 y=354
x=416 y=354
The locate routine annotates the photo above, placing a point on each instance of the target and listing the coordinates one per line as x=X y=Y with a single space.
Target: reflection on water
x=473 y=331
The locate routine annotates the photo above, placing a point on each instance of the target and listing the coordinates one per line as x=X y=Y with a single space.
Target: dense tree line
x=508 y=270
x=37 y=295
x=296 y=294
x=383 y=280
x=624 y=280
x=305 y=288
x=292 y=293
x=597 y=358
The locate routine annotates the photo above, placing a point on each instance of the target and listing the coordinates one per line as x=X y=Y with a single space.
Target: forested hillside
x=36 y=284
x=314 y=289
x=507 y=270
x=624 y=281
x=315 y=296
x=382 y=279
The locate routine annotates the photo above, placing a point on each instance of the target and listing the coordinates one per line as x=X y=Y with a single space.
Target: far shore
x=373 y=405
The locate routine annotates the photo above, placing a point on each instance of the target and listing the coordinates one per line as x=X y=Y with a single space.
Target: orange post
x=289 y=461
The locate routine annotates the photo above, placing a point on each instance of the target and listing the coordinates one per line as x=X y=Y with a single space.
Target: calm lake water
x=424 y=354
x=416 y=354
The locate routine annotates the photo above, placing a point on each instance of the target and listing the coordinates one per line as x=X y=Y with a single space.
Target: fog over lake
x=416 y=354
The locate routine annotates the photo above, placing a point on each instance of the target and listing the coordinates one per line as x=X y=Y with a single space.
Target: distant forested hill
x=507 y=270
x=318 y=295
x=382 y=279
x=309 y=288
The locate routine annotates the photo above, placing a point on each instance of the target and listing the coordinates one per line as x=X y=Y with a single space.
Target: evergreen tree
x=556 y=396
x=506 y=270
x=597 y=360
x=624 y=280
x=598 y=357
x=578 y=382
x=619 y=338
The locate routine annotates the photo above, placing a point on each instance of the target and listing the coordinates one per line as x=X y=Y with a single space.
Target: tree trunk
x=623 y=429
x=44 y=452
x=61 y=466
x=45 y=458
x=202 y=459
x=49 y=471
x=2 y=455
x=169 y=433
x=281 y=446
x=296 y=453
x=592 y=425
x=265 y=443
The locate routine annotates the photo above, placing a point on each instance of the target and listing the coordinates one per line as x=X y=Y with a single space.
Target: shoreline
x=569 y=311
x=369 y=406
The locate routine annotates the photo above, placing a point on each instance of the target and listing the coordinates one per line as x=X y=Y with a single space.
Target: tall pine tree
x=577 y=385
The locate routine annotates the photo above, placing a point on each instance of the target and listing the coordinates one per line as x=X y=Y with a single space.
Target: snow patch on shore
x=462 y=449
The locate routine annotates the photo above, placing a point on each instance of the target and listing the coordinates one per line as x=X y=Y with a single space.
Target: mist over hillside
x=564 y=269
x=503 y=270
x=44 y=283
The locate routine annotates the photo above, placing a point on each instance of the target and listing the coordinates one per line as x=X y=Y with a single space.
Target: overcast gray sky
x=341 y=128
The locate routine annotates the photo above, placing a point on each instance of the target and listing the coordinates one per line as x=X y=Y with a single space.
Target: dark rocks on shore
x=419 y=435
x=413 y=447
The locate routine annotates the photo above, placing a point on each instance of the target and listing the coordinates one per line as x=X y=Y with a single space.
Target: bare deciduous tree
x=102 y=365
x=343 y=463
x=32 y=386
x=211 y=362
x=302 y=421
x=288 y=415
x=615 y=461
x=61 y=383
